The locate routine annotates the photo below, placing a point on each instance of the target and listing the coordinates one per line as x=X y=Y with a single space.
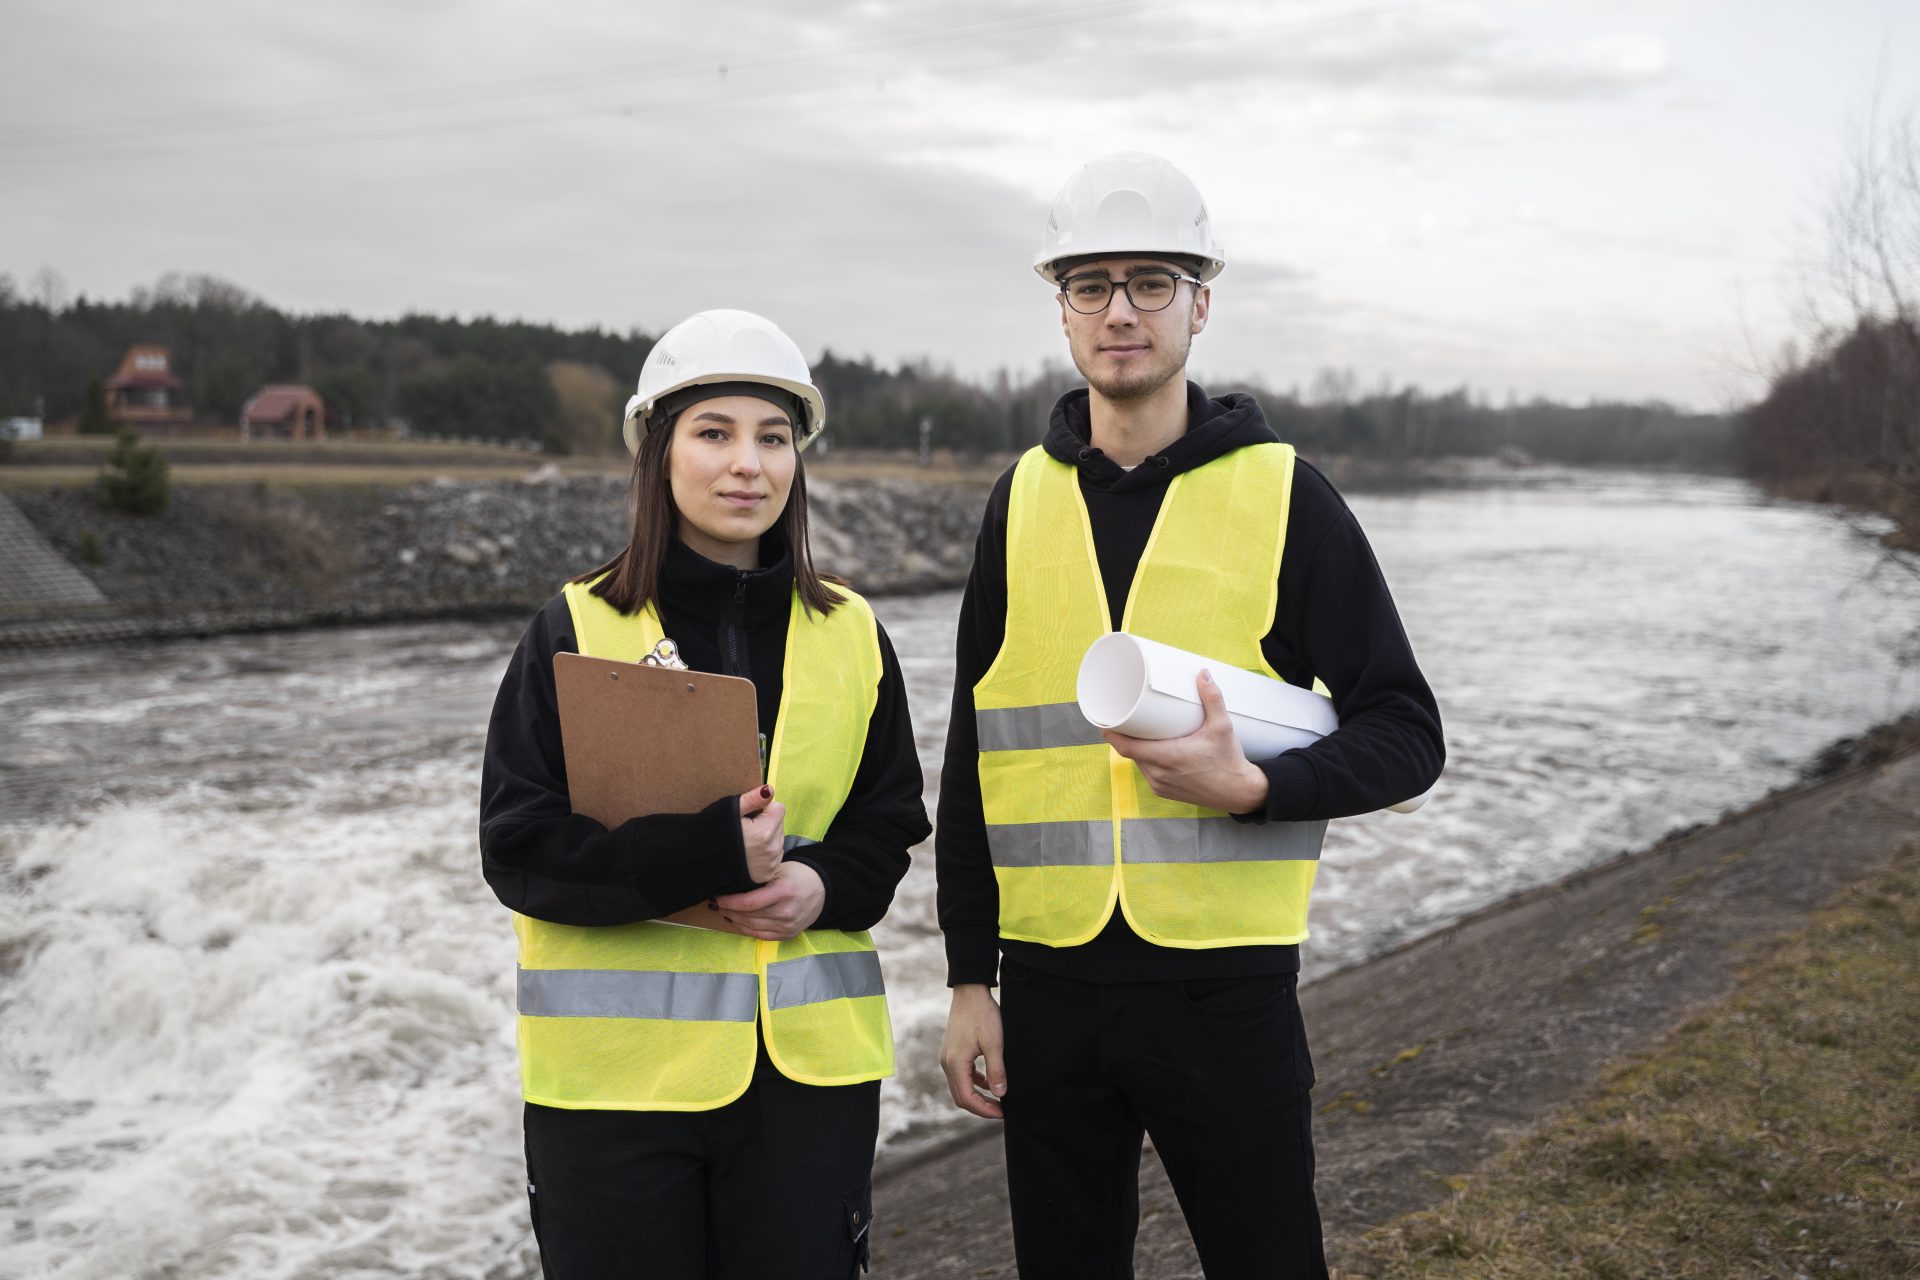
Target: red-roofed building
x=144 y=393
x=288 y=412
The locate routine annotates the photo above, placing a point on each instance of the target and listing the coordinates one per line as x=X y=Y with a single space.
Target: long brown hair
x=631 y=580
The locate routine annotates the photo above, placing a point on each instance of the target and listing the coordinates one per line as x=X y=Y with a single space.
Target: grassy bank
x=292 y=476
x=1777 y=1134
x=1895 y=497
x=75 y=461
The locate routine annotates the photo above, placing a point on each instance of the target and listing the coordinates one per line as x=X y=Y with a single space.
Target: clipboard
x=641 y=740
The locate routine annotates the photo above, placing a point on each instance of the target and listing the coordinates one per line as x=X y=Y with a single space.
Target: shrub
x=90 y=549
x=95 y=418
x=135 y=478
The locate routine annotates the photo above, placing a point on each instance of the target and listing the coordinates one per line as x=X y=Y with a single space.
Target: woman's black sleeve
x=865 y=851
x=543 y=860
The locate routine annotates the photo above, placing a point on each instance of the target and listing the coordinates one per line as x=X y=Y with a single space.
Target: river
x=257 y=1000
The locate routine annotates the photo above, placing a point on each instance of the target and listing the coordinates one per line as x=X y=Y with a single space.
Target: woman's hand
x=789 y=902
x=763 y=832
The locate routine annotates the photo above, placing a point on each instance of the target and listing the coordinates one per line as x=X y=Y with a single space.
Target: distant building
x=288 y=412
x=144 y=393
x=20 y=428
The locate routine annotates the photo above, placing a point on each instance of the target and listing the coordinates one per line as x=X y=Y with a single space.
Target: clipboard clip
x=665 y=654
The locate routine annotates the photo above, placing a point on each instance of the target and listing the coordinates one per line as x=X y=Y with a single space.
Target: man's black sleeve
x=969 y=896
x=864 y=853
x=1335 y=619
x=543 y=860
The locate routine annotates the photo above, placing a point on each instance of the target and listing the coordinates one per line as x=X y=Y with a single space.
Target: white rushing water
x=257 y=1000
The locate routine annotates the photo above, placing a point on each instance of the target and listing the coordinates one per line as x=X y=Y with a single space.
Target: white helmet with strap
x=724 y=346
x=1129 y=204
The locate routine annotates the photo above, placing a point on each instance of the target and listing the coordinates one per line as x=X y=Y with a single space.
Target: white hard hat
x=725 y=346
x=1129 y=204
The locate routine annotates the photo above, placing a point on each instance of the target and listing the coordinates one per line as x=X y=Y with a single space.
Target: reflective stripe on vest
x=653 y=1016
x=697 y=997
x=637 y=993
x=845 y=975
x=1195 y=839
x=1072 y=826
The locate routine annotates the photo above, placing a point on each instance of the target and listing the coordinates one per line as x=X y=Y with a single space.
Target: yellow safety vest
x=1072 y=825
x=658 y=1017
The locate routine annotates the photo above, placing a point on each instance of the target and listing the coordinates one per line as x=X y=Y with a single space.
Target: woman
x=717 y=1118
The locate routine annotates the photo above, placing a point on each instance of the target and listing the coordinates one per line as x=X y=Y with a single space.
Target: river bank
x=279 y=537
x=1434 y=1058
x=1873 y=493
x=252 y=557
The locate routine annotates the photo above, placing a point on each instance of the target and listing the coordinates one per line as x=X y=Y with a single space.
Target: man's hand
x=973 y=1034
x=1206 y=768
x=779 y=909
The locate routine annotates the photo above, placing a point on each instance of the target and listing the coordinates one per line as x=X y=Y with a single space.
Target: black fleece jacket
x=545 y=861
x=1334 y=620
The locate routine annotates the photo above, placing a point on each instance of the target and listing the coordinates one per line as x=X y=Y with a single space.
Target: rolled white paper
x=1146 y=689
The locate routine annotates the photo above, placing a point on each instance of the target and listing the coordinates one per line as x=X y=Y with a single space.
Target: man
x=1143 y=901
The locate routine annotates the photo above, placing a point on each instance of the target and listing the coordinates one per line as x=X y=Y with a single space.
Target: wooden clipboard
x=641 y=740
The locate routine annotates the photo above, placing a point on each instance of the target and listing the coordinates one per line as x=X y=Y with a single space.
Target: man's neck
x=1131 y=431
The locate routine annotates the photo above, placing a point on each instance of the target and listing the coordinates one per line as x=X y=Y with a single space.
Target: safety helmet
x=1129 y=204
x=724 y=346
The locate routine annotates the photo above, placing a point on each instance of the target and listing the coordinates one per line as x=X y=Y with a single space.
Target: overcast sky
x=1567 y=198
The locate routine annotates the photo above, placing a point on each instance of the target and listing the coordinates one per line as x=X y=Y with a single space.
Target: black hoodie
x=545 y=861
x=1334 y=620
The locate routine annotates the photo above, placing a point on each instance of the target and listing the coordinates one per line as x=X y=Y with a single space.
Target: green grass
x=1775 y=1135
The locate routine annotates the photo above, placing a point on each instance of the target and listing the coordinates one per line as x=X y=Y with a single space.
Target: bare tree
x=1841 y=419
x=48 y=288
x=1873 y=223
x=590 y=402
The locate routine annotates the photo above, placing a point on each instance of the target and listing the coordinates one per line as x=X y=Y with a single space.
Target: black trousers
x=775 y=1183
x=1215 y=1069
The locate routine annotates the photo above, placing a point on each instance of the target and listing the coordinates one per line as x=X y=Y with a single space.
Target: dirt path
x=1435 y=1056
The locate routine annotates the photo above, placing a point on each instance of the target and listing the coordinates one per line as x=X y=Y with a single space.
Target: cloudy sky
x=1569 y=198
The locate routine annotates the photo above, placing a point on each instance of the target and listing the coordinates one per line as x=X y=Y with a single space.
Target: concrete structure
x=39 y=582
x=288 y=412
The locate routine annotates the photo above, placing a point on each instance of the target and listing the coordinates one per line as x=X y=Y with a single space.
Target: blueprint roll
x=1146 y=689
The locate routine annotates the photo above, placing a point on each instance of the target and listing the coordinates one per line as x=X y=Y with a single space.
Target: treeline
x=1409 y=425
x=492 y=379
x=1842 y=423
x=511 y=380
x=1841 y=418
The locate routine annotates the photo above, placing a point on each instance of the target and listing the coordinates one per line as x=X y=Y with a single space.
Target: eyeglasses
x=1151 y=290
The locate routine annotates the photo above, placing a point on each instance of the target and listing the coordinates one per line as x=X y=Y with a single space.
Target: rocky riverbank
x=238 y=557
x=1433 y=1058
